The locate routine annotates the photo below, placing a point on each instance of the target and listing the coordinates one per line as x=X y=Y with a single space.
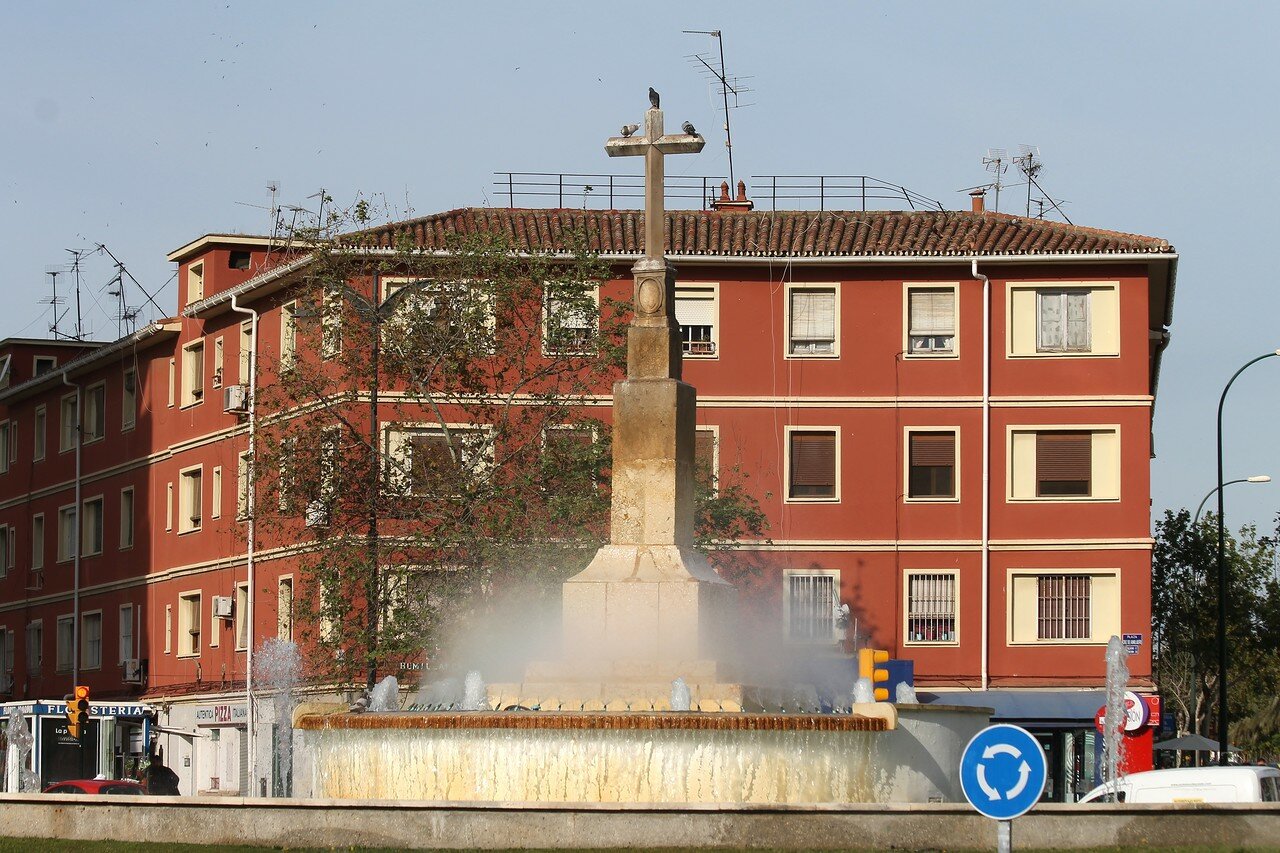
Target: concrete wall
x=293 y=823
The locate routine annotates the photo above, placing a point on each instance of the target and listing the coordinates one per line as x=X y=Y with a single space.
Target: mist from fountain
x=474 y=696
x=20 y=739
x=385 y=695
x=277 y=670
x=1114 y=718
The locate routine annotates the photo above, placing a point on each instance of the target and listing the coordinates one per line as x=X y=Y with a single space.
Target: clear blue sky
x=145 y=125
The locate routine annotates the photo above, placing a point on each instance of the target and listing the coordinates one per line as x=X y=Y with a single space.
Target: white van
x=1235 y=784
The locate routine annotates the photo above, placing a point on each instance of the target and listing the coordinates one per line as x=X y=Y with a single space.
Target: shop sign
x=221 y=715
x=1137 y=713
x=95 y=710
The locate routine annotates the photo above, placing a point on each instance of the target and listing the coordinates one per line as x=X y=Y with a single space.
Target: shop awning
x=1045 y=709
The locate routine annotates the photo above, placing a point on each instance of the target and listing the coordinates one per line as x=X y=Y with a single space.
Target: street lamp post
x=1256 y=478
x=1223 y=744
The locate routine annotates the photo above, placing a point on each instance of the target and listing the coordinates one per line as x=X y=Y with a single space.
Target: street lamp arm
x=1261 y=478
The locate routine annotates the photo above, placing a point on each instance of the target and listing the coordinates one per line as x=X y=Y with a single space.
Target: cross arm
x=626 y=146
x=680 y=143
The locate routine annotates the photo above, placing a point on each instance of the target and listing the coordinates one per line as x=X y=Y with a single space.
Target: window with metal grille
x=932 y=465
x=1063 y=321
x=811 y=602
x=1064 y=464
x=813 y=321
x=812 y=464
x=931 y=607
x=696 y=314
x=931 y=320
x=1063 y=605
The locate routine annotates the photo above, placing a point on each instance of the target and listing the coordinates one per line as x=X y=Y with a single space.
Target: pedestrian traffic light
x=77 y=710
x=868 y=660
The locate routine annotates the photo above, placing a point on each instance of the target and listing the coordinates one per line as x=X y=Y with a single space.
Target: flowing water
x=1113 y=720
x=385 y=695
x=681 y=698
x=474 y=696
x=19 y=737
x=277 y=669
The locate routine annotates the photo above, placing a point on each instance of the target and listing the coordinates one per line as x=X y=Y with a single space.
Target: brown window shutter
x=813 y=459
x=1064 y=456
x=933 y=448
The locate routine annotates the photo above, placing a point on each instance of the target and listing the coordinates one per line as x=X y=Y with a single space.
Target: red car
x=96 y=786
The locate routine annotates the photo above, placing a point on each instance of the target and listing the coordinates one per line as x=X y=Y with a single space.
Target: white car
x=1238 y=784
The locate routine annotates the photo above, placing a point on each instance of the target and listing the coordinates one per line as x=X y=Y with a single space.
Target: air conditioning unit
x=135 y=671
x=317 y=514
x=235 y=399
x=223 y=607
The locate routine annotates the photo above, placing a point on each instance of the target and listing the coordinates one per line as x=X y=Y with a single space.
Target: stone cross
x=654 y=146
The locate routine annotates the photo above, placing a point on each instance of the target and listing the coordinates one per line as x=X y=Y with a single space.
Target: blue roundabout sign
x=1003 y=771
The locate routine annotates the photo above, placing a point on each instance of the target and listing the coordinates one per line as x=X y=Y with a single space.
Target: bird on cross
x=688 y=128
x=653 y=98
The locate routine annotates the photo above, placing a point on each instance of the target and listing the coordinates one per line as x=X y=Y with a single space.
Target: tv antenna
x=54 y=300
x=76 y=255
x=726 y=87
x=1029 y=163
x=996 y=163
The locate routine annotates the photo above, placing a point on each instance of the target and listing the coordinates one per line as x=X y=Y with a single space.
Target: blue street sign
x=1003 y=771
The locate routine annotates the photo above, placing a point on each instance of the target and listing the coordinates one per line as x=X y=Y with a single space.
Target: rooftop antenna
x=727 y=86
x=75 y=269
x=273 y=187
x=1028 y=163
x=995 y=162
x=323 y=197
x=54 y=300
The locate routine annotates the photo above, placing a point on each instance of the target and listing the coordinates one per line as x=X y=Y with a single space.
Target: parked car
x=1236 y=784
x=96 y=786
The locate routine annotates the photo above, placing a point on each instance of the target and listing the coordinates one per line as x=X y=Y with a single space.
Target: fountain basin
x=671 y=757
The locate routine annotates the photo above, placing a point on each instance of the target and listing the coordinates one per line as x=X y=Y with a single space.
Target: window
x=66 y=533
x=569 y=319
x=931 y=607
x=126 y=633
x=37 y=542
x=706 y=456
x=242 y=616
x=11 y=547
x=331 y=323
x=812 y=464
x=188 y=624
x=284 y=609
x=35 y=646
x=6 y=545
x=433 y=460
x=242 y=486
x=91 y=640
x=931 y=465
x=288 y=335
x=238 y=260
x=195 y=282
x=70 y=422
x=6 y=651
x=126 y=518
x=450 y=307
x=91 y=530
x=129 y=400
x=931 y=320
x=190 y=511
x=66 y=638
x=168 y=629
x=1064 y=464
x=7 y=444
x=697 y=313
x=43 y=364
x=173 y=381
x=193 y=373
x=95 y=412
x=1064 y=607
x=1055 y=319
x=168 y=506
x=219 y=359
x=813 y=322
x=41 y=425
x=810 y=602
x=246 y=351
x=215 y=496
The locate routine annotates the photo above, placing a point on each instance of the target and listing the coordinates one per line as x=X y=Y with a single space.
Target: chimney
x=741 y=203
x=979 y=199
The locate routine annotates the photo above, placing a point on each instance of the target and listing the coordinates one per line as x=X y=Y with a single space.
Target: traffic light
x=77 y=710
x=879 y=676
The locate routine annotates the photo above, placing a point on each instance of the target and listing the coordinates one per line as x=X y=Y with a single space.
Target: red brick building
x=946 y=417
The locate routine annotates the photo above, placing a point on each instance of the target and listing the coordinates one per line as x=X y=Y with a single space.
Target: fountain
x=277 y=667
x=644 y=702
x=1114 y=717
x=21 y=776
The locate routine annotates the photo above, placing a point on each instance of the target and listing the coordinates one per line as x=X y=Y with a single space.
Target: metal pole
x=371 y=591
x=1223 y=743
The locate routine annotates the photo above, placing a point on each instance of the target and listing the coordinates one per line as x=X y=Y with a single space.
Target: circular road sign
x=1003 y=771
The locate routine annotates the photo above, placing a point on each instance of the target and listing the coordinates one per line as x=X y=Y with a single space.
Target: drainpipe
x=250 y=507
x=986 y=470
x=75 y=545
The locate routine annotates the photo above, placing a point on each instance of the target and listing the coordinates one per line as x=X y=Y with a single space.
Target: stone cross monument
x=649 y=608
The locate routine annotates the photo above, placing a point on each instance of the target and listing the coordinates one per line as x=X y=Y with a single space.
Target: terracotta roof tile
x=794 y=234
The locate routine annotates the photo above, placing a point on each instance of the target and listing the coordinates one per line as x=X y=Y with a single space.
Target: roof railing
x=804 y=190
x=600 y=191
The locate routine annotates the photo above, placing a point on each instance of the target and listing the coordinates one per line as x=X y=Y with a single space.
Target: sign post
x=1003 y=773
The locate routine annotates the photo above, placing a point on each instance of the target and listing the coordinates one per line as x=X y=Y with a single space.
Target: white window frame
x=1105 y=614
x=284 y=618
x=128 y=400
x=93 y=527
x=907 y=634
x=65 y=649
x=87 y=661
x=37 y=361
x=127 y=519
x=173 y=382
x=190 y=615
x=837 y=633
x=7 y=444
x=68 y=537
x=68 y=423
x=1023 y=305
x=193 y=374
x=95 y=412
x=431 y=286
x=219 y=362
x=190 y=499
x=34 y=650
x=788 y=291
x=37 y=541
x=927 y=352
x=701 y=291
x=288 y=335
x=40 y=437
x=8 y=535
x=714 y=430
x=907 y=432
x=245 y=355
x=786 y=464
x=240 y=624
x=243 y=472
x=7 y=655
x=195 y=282
x=591 y=328
x=396 y=436
x=127 y=642
x=168 y=629
x=215 y=493
x=1099 y=452
x=168 y=505
x=331 y=309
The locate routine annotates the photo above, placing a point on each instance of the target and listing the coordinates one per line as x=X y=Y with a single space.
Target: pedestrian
x=160 y=779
